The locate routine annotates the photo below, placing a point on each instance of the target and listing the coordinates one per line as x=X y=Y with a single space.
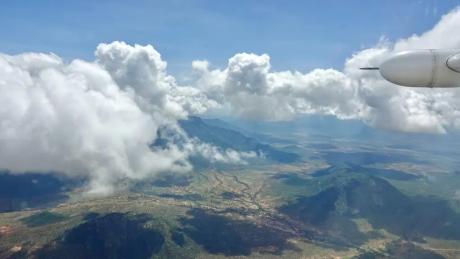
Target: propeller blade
x=369 y=68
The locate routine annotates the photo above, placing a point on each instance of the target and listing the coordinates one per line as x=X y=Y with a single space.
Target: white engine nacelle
x=423 y=68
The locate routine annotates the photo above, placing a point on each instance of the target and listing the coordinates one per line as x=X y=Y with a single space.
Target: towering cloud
x=94 y=119
x=97 y=119
x=249 y=88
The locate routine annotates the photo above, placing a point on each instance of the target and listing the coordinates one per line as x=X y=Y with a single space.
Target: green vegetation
x=114 y=235
x=43 y=218
x=401 y=249
x=364 y=203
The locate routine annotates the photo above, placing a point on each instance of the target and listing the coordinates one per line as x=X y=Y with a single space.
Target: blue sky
x=298 y=35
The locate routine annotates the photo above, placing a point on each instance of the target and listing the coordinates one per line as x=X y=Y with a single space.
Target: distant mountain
x=252 y=133
x=329 y=127
x=348 y=195
x=225 y=136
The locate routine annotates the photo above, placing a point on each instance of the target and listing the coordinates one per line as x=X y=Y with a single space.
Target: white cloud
x=248 y=87
x=442 y=35
x=92 y=119
x=140 y=71
x=215 y=154
x=97 y=119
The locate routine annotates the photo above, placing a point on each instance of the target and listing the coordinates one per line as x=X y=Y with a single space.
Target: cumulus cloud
x=93 y=119
x=97 y=119
x=247 y=87
x=140 y=71
x=174 y=136
x=216 y=154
